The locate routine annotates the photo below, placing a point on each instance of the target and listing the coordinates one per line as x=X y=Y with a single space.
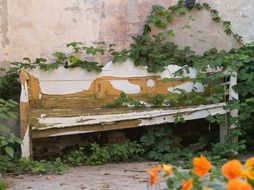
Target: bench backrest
x=76 y=88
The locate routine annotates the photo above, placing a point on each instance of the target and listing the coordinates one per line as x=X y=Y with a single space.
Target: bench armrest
x=24 y=107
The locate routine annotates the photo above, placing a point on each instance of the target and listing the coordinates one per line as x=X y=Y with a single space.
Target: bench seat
x=68 y=122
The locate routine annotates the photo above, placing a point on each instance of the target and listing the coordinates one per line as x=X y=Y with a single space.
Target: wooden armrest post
x=224 y=129
x=25 y=135
x=233 y=95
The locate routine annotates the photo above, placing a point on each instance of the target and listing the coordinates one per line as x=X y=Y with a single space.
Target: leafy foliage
x=9 y=85
x=213 y=68
x=9 y=148
x=8 y=141
x=160 y=145
x=157 y=100
x=76 y=157
x=2 y=184
x=125 y=151
x=114 y=153
x=155 y=51
x=124 y=100
x=41 y=167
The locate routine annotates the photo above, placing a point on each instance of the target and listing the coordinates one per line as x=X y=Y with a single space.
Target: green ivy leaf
x=10 y=151
x=171 y=33
x=4 y=129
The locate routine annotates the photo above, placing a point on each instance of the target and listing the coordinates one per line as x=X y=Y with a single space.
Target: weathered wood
x=26 y=146
x=223 y=128
x=233 y=95
x=85 y=129
x=154 y=116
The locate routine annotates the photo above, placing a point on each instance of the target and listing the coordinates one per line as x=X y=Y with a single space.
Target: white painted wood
x=74 y=132
x=223 y=128
x=63 y=74
x=150 y=83
x=192 y=115
x=24 y=87
x=24 y=93
x=66 y=81
x=64 y=87
x=188 y=87
x=153 y=119
x=170 y=70
x=233 y=95
x=26 y=145
x=201 y=111
x=125 y=86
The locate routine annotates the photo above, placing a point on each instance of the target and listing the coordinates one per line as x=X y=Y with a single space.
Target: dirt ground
x=127 y=176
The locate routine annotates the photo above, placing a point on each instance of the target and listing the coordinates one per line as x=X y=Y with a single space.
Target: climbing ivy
x=80 y=55
x=156 y=52
x=213 y=68
x=153 y=51
x=124 y=100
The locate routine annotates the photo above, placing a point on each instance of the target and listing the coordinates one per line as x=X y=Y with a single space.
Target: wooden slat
x=86 y=129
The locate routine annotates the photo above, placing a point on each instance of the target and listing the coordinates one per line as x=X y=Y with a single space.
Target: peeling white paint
x=40 y=96
x=196 y=114
x=65 y=81
x=125 y=86
x=188 y=87
x=25 y=146
x=62 y=122
x=150 y=83
x=233 y=95
x=64 y=87
x=24 y=93
x=171 y=70
x=70 y=133
x=43 y=115
x=62 y=74
x=126 y=69
x=146 y=118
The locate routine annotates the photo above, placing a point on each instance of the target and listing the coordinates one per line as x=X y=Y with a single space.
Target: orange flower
x=167 y=169
x=201 y=165
x=232 y=169
x=249 y=166
x=153 y=172
x=187 y=184
x=236 y=184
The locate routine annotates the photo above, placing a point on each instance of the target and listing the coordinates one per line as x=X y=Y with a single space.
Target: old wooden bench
x=72 y=101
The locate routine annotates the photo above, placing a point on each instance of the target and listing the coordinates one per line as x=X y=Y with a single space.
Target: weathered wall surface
x=36 y=28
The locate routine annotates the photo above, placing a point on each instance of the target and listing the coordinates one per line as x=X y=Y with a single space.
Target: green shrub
x=98 y=155
x=2 y=184
x=76 y=157
x=40 y=167
x=157 y=143
x=125 y=151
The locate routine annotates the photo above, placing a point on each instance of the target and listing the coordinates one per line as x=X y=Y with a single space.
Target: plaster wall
x=37 y=28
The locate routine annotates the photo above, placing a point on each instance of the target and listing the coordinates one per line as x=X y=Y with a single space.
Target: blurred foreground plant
x=231 y=176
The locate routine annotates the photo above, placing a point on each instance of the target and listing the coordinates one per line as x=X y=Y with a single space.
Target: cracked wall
x=34 y=28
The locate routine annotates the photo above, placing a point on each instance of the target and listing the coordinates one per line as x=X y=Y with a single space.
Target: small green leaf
x=171 y=33
x=10 y=151
x=4 y=128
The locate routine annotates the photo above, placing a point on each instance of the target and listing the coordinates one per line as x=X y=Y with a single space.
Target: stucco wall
x=36 y=28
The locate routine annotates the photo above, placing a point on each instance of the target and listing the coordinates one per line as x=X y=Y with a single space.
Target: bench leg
x=223 y=128
x=26 y=146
